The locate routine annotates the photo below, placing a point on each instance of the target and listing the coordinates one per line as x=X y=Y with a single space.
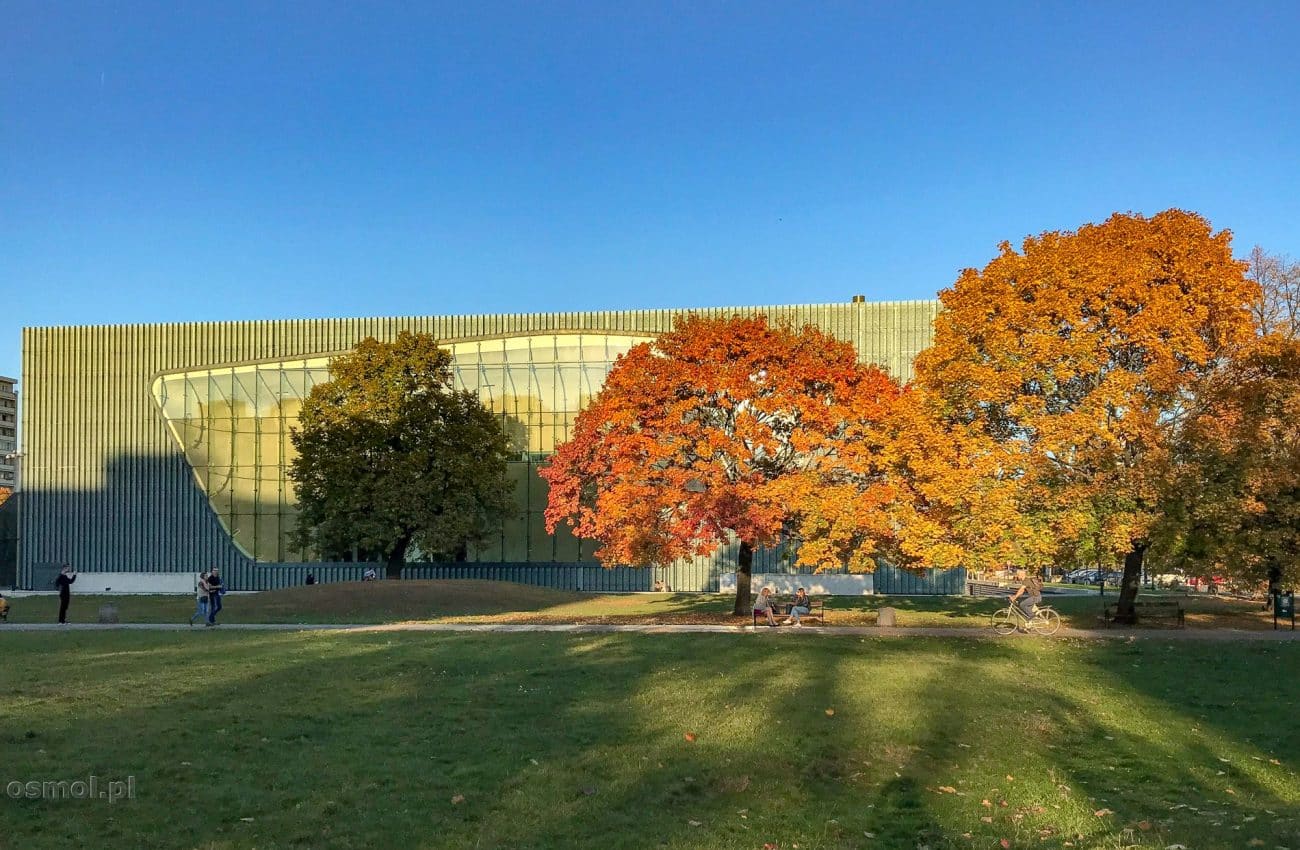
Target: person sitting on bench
x=799 y=607
x=763 y=605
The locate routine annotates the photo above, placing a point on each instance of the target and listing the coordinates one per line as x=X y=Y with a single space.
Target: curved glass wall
x=233 y=425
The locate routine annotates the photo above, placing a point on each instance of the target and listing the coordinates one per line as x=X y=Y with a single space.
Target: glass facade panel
x=233 y=425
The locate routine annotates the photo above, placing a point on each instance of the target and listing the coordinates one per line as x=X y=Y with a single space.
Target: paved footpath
x=670 y=629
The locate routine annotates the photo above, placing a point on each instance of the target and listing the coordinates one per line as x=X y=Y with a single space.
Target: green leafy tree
x=1232 y=504
x=391 y=457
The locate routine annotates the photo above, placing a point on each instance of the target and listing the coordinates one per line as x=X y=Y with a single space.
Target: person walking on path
x=215 y=590
x=200 y=599
x=64 y=582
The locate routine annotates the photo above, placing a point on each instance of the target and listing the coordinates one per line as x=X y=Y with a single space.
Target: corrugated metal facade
x=107 y=488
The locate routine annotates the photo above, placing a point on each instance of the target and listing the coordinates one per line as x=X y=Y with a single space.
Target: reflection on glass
x=233 y=426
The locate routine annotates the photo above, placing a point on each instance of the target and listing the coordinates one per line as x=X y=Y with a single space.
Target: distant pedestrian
x=215 y=590
x=369 y=574
x=66 y=577
x=4 y=608
x=311 y=578
x=200 y=599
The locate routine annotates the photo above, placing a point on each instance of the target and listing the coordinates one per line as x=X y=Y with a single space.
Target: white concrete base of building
x=784 y=584
x=128 y=583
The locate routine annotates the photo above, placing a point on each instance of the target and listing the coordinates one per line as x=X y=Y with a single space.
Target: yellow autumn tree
x=1075 y=356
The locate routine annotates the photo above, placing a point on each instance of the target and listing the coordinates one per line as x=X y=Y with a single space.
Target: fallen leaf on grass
x=947 y=789
x=458 y=799
x=986 y=819
x=1101 y=813
x=690 y=737
x=1004 y=843
x=1010 y=778
x=830 y=712
x=986 y=804
x=1144 y=825
x=246 y=820
x=695 y=823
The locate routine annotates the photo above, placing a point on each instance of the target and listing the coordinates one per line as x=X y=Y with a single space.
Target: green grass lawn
x=407 y=740
x=504 y=602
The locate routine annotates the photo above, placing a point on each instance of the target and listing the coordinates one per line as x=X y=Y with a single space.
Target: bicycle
x=1044 y=622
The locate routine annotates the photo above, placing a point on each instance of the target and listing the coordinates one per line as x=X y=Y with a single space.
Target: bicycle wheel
x=1004 y=621
x=1047 y=621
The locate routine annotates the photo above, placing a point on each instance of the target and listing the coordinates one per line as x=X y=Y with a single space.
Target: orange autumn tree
x=1077 y=355
x=727 y=429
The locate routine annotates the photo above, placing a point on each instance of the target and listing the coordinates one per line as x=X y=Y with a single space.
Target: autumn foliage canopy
x=1232 y=502
x=737 y=427
x=1075 y=357
x=1073 y=387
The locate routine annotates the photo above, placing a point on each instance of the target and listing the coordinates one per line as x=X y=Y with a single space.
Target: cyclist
x=1029 y=594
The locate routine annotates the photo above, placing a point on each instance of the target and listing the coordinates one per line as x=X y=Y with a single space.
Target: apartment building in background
x=8 y=433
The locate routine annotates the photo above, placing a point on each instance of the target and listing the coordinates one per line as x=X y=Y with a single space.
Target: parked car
x=1082 y=577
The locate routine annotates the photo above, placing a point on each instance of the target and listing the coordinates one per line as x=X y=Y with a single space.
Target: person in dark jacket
x=64 y=582
x=215 y=589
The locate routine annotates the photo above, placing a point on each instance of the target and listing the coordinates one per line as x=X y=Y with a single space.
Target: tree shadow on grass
x=581 y=740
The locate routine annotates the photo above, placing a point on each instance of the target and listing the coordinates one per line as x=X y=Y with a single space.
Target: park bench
x=988 y=588
x=1167 y=610
x=781 y=609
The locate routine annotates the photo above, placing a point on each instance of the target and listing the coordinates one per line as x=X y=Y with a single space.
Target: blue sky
x=237 y=160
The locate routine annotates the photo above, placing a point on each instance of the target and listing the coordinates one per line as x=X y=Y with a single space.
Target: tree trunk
x=1274 y=586
x=397 y=557
x=1128 y=588
x=744 y=571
